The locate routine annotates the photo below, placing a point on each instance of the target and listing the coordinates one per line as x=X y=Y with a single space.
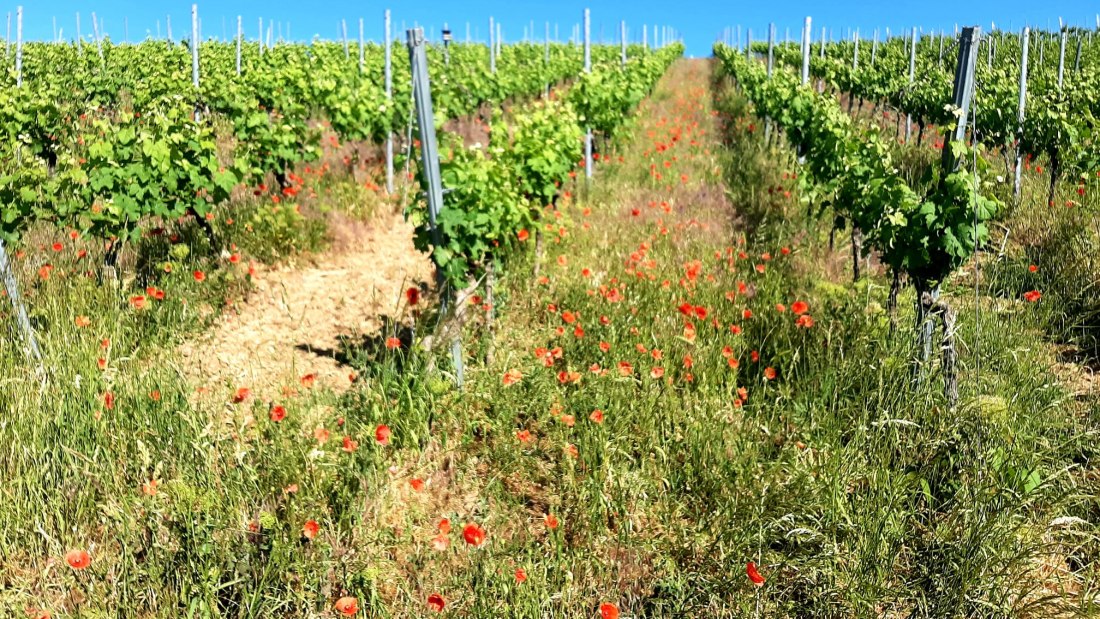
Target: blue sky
x=699 y=21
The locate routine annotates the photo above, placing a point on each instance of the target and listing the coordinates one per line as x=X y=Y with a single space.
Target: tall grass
x=847 y=482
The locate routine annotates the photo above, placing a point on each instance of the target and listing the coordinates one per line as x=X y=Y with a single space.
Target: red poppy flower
x=473 y=534
x=440 y=542
x=199 y=276
x=137 y=301
x=444 y=526
x=754 y=575
x=310 y=529
x=350 y=444
x=523 y=235
x=347 y=606
x=596 y=416
x=805 y=321
x=78 y=559
x=382 y=434
x=551 y=521
x=436 y=602
x=149 y=488
x=769 y=373
x=799 y=308
x=521 y=575
x=1033 y=296
x=83 y=321
x=241 y=395
x=393 y=343
x=609 y=611
x=417 y=484
x=511 y=377
x=412 y=295
x=278 y=413
x=109 y=400
x=1033 y=268
x=524 y=436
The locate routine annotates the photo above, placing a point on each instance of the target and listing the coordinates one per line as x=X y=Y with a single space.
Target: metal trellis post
x=429 y=150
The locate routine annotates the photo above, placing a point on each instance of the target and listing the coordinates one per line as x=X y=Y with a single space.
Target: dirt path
x=290 y=325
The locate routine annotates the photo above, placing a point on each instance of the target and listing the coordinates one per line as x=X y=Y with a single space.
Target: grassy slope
x=854 y=490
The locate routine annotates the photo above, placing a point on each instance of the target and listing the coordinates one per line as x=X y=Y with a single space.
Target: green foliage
x=927 y=237
x=482 y=210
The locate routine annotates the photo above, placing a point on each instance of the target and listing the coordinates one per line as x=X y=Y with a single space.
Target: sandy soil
x=291 y=324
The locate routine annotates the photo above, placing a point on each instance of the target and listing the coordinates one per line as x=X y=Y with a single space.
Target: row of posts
x=422 y=99
x=914 y=40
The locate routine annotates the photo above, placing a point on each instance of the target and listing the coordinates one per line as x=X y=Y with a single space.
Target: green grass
x=851 y=486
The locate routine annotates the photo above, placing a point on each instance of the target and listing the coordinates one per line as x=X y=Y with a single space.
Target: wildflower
x=241 y=395
x=436 y=602
x=473 y=534
x=596 y=416
x=78 y=559
x=310 y=529
x=83 y=321
x=278 y=413
x=393 y=343
x=609 y=611
x=350 y=444
x=382 y=434
x=440 y=542
x=799 y=308
x=521 y=575
x=199 y=276
x=347 y=606
x=754 y=575
x=769 y=373
x=511 y=377
x=551 y=521
x=1032 y=296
